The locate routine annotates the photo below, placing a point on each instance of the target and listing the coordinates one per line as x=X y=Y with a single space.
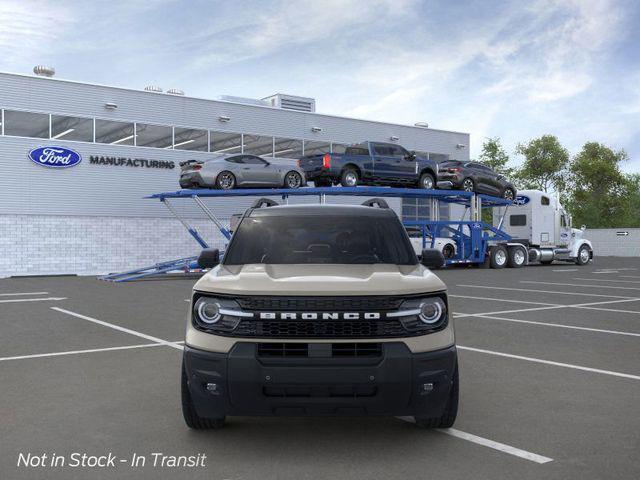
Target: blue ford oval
x=55 y=157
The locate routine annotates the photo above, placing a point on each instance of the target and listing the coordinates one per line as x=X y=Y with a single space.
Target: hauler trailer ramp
x=473 y=238
x=540 y=224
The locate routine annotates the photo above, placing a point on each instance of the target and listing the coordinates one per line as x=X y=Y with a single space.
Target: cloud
x=30 y=29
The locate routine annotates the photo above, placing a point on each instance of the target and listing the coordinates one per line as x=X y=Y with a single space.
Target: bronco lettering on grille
x=319 y=316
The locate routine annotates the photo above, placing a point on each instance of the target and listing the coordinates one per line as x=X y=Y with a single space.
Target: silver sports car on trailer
x=241 y=170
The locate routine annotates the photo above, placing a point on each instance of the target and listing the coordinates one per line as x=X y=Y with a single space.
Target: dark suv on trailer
x=474 y=177
x=320 y=310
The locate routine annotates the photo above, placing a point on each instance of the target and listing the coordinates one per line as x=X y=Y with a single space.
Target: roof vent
x=422 y=124
x=175 y=91
x=43 y=71
x=291 y=102
x=153 y=88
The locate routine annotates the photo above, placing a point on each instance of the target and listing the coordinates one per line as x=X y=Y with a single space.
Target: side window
x=398 y=151
x=545 y=200
x=237 y=159
x=517 y=220
x=382 y=150
x=563 y=221
x=253 y=160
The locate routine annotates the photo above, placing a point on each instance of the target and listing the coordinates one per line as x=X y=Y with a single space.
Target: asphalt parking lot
x=549 y=371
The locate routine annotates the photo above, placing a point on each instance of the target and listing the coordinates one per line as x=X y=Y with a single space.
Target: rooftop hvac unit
x=153 y=88
x=43 y=71
x=244 y=100
x=291 y=102
x=175 y=91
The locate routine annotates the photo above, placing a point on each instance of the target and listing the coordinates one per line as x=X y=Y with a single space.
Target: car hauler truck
x=540 y=231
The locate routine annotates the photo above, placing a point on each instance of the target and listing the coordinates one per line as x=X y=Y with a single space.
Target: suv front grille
x=320 y=328
x=320 y=304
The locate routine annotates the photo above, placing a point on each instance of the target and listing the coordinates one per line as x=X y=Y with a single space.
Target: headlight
x=208 y=310
x=214 y=315
x=432 y=310
x=425 y=314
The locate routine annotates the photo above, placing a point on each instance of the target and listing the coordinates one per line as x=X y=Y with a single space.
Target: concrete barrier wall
x=614 y=242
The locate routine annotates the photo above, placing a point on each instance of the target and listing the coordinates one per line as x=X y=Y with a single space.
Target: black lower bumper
x=398 y=383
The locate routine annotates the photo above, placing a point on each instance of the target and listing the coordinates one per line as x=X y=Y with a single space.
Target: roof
x=322 y=210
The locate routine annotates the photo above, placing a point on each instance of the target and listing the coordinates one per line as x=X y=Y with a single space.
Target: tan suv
x=319 y=310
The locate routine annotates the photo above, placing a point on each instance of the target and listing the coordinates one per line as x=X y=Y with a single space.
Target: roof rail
x=373 y=202
x=266 y=202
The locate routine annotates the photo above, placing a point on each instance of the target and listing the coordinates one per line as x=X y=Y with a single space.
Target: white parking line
x=559 y=325
x=605 y=280
x=629 y=276
x=48 y=299
x=581 y=285
x=456 y=315
x=566 y=270
x=76 y=352
x=27 y=293
x=528 y=290
x=503 y=300
x=549 y=362
x=485 y=442
x=119 y=328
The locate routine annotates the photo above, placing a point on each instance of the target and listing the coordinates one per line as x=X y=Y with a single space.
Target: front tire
x=448 y=251
x=293 y=180
x=584 y=255
x=427 y=182
x=450 y=413
x=225 y=180
x=191 y=417
x=508 y=194
x=349 y=178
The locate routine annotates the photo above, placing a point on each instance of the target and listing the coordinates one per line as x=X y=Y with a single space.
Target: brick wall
x=51 y=245
x=611 y=242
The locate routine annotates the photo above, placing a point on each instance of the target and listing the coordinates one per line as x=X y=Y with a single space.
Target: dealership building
x=92 y=217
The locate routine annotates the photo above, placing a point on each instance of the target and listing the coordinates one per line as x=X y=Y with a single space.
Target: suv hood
x=325 y=279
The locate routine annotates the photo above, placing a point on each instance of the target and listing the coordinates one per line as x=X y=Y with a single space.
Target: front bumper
x=397 y=383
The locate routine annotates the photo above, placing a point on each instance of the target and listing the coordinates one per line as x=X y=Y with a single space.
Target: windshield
x=339 y=239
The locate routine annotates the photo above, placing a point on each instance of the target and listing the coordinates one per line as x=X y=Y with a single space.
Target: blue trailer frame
x=472 y=237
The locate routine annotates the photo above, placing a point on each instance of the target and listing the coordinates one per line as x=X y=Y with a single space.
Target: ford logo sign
x=55 y=157
x=521 y=200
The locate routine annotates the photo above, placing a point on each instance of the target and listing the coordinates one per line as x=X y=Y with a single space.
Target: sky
x=509 y=69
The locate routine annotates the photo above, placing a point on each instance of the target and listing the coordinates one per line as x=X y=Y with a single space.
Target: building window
x=71 y=128
x=157 y=136
x=225 y=142
x=316 y=148
x=115 y=133
x=257 y=145
x=190 y=139
x=287 y=148
x=26 y=124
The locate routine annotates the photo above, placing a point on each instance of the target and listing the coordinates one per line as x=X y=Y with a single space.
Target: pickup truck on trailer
x=371 y=163
x=319 y=310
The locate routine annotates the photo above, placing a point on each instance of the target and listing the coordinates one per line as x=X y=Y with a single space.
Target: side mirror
x=410 y=156
x=209 y=258
x=432 y=258
x=583 y=228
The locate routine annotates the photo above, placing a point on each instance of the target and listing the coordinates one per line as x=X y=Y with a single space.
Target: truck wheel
x=225 y=180
x=448 y=418
x=517 y=257
x=426 y=182
x=584 y=255
x=499 y=257
x=508 y=194
x=191 y=417
x=349 y=178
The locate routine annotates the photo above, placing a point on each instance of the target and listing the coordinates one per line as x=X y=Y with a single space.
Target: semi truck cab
x=538 y=221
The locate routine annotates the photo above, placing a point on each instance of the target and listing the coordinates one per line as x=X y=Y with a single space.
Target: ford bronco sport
x=319 y=310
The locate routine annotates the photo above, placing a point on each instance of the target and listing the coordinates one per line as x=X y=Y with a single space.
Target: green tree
x=600 y=194
x=494 y=156
x=545 y=164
